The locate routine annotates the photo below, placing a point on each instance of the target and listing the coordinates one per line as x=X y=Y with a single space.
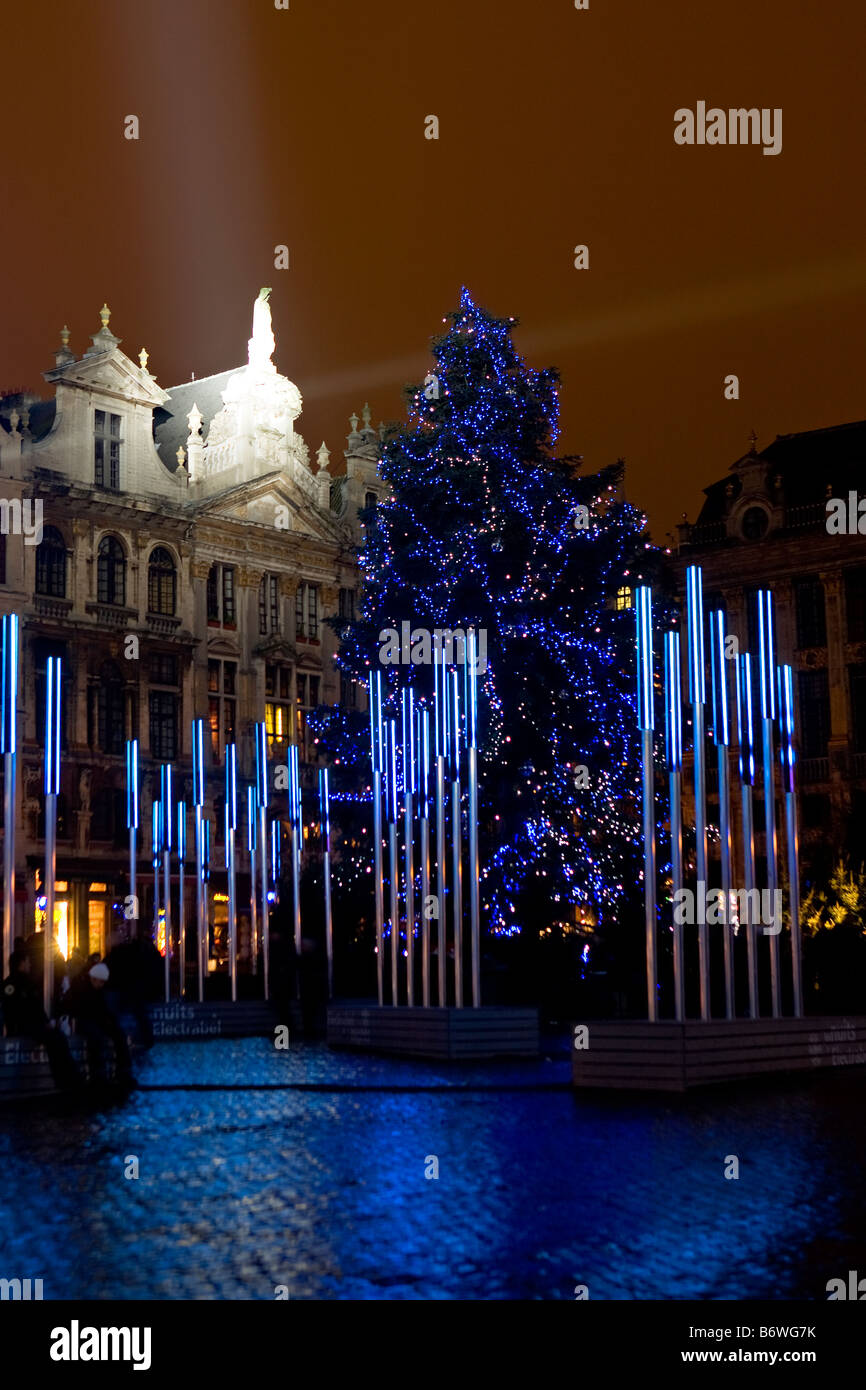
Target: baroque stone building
x=768 y=524
x=184 y=563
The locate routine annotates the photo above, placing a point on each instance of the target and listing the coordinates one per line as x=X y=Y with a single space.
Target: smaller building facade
x=772 y=522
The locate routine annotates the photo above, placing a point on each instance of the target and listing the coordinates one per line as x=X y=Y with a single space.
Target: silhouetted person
x=98 y=1025
x=282 y=965
x=24 y=1017
x=132 y=975
x=35 y=949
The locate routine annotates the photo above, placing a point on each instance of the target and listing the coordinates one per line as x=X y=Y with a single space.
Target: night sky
x=306 y=127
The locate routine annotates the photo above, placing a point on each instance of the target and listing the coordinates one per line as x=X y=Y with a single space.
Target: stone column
x=81 y=566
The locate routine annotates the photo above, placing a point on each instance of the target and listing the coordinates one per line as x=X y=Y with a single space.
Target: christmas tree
x=486 y=527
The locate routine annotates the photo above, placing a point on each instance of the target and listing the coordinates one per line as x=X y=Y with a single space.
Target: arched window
x=755 y=523
x=111 y=572
x=51 y=564
x=110 y=711
x=161 y=583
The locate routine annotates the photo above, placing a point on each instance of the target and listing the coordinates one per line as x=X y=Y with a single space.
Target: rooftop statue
x=262 y=343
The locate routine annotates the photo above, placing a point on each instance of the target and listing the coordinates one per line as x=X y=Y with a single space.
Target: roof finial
x=105 y=315
x=142 y=357
x=365 y=415
x=323 y=456
x=353 y=421
x=64 y=338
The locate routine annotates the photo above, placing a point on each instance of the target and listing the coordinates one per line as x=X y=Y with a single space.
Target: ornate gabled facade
x=186 y=558
x=769 y=523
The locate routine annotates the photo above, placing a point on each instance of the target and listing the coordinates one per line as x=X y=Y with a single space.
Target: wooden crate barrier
x=636 y=1055
x=449 y=1034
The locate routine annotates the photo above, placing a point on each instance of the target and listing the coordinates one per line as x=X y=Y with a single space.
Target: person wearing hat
x=98 y=1025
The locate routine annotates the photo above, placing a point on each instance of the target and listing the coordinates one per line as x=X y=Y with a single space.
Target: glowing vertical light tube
x=440 y=720
x=746 y=738
x=674 y=760
x=391 y=815
x=276 y=860
x=646 y=723
x=252 y=826
x=296 y=818
x=456 y=834
x=51 y=785
x=375 y=701
x=165 y=824
x=408 y=765
x=201 y=932
x=132 y=799
x=325 y=814
x=9 y=749
x=788 y=759
x=722 y=739
x=262 y=809
x=767 y=674
x=423 y=740
x=181 y=904
x=697 y=698
x=231 y=825
x=156 y=840
x=471 y=730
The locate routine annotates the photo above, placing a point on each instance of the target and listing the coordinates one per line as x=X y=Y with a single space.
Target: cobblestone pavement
x=324 y=1190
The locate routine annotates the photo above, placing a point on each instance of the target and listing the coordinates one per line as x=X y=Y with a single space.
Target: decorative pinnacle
x=365 y=415
x=353 y=421
x=181 y=456
x=105 y=315
x=194 y=419
x=323 y=456
x=142 y=357
x=64 y=338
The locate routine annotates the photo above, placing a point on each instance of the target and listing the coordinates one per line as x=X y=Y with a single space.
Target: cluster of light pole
x=432 y=744
x=776 y=700
x=166 y=841
x=167 y=834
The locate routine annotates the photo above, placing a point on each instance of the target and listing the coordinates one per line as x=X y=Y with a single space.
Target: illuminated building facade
x=179 y=551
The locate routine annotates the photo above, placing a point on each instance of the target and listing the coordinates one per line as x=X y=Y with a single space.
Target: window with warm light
x=624 y=599
x=221 y=704
x=308 y=699
x=278 y=704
